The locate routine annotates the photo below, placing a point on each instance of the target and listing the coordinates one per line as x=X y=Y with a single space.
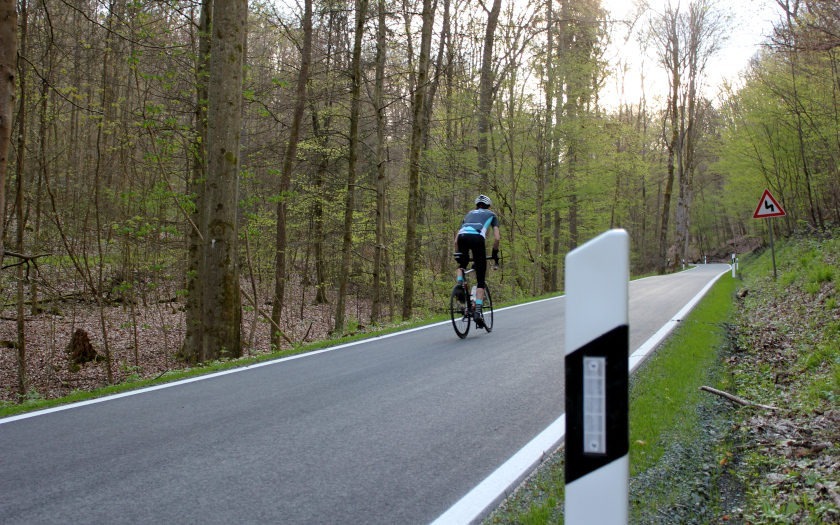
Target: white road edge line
x=495 y=487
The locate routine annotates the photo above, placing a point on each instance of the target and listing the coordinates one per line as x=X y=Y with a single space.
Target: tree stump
x=80 y=350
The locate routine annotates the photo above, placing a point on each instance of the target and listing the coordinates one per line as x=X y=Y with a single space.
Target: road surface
x=391 y=430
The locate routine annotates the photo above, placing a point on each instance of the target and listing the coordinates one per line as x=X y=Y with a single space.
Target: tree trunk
x=280 y=270
x=349 y=203
x=318 y=230
x=318 y=239
x=546 y=165
x=417 y=130
x=219 y=269
x=485 y=93
x=379 y=107
x=102 y=156
x=21 y=224
x=672 y=62
x=570 y=88
x=34 y=290
x=8 y=58
x=196 y=234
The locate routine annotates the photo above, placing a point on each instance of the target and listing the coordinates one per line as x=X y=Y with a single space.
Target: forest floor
x=143 y=339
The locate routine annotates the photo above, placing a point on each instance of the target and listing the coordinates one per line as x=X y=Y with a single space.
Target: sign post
x=597 y=347
x=768 y=207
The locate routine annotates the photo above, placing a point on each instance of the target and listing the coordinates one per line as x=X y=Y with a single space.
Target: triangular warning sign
x=768 y=207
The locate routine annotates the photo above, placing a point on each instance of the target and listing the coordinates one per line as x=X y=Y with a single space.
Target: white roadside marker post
x=597 y=348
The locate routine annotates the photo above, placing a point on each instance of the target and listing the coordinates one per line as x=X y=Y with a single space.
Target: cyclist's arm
x=496 y=237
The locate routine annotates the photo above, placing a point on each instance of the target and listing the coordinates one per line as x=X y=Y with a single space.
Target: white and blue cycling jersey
x=478 y=221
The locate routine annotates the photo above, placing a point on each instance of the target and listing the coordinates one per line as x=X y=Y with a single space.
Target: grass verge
x=667 y=387
x=664 y=396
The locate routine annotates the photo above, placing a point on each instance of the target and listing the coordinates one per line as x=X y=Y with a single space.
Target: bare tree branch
x=736 y=399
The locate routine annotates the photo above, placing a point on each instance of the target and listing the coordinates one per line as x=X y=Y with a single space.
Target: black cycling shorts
x=468 y=242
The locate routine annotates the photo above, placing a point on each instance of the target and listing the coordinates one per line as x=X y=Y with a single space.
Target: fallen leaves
x=790 y=458
x=143 y=341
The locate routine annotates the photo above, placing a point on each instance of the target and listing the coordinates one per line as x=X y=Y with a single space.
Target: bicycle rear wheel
x=458 y=311
x=487 y=309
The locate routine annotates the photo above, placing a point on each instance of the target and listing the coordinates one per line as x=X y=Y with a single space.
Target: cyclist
x=471 y=237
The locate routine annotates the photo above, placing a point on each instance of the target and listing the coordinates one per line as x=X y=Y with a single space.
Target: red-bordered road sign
x=768 y=206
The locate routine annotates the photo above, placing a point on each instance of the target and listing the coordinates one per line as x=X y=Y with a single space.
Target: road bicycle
x=462 y=305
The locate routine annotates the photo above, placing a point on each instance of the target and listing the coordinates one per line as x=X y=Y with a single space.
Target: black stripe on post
x=613 y=346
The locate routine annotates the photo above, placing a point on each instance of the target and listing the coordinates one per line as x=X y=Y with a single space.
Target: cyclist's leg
x=479 y=254
x=464 y=258
x=480 y=265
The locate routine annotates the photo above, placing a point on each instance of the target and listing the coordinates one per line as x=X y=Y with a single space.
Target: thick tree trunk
x=196 y=234
x=8 y=57
x=219 y=270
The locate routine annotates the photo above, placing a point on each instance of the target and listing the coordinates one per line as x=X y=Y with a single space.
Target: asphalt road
x=391 y=430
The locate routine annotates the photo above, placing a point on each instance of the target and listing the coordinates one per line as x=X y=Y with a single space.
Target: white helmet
x=484 y=199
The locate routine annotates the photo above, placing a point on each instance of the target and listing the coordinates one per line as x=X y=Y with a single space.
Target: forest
x=183 y=181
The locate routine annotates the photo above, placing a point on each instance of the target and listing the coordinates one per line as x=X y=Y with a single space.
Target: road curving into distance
x=404 y=428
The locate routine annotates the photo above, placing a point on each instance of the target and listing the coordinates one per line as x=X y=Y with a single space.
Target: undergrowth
x=787 y=354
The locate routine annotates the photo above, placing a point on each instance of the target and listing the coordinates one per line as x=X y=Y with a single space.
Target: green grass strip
x=663 y=395
x=666 y=390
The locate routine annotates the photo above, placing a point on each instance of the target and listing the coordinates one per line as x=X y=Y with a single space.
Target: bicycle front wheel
x=487 y=309
x=458 y=311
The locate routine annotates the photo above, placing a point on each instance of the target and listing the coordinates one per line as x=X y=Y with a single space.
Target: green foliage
x=821 y=274
x=766 y=135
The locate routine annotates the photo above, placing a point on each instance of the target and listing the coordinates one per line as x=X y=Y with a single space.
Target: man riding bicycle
x=471 y=238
